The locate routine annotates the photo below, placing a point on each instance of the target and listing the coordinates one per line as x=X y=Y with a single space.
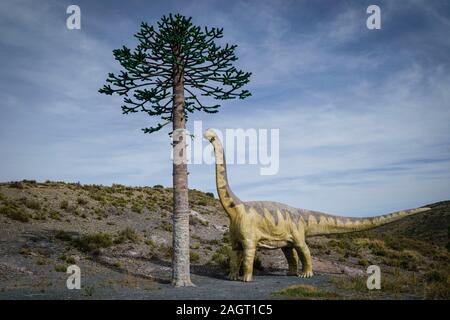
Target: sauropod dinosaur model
x=266 y=224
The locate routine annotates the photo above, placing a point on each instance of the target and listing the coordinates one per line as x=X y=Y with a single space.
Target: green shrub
x=16 y=185
x=55 y=215
x=305 y=291
x=137 y=208
x=127 y=234
x=165 y=250
x=222 y=256
x=64 y=205
x=158 y=186
x=29 y=181
x=166 y=226
x=82 y=201
x=15 y=213
x=60 y=268
x=31 y=203
x=63 y=236
x=194 y=257
x=435 y=276
x=357 y=283
x=93 y=242
x=71 y=260
x=363 y=262
x=150 y=243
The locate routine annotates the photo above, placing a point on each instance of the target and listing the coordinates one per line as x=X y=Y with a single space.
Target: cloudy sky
x=364 y=115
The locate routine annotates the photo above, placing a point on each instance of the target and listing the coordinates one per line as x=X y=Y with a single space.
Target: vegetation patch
x=15 y=213
x=31 y=203
x=60 y=268
x=305 y=292
x=128 y=234
x=93 y=242
x=165 y=226
x=64 y=205
x=194 y=257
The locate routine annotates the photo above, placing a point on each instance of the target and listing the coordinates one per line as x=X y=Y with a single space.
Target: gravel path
x=120 y=286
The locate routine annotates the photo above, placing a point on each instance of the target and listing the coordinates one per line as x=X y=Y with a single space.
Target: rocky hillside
x=121 y=238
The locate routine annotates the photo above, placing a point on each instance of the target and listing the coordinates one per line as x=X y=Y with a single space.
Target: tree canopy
x=147 y=77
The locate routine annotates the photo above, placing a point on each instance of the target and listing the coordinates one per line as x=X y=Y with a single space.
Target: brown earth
x=120 y=237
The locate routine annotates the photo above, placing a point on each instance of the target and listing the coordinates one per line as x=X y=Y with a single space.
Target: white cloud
x=359 y=135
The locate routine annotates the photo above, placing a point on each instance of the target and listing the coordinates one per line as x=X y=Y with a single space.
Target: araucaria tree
x=174 y=66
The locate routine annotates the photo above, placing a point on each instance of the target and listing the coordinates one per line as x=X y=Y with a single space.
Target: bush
x=127 y=234
x=82 y=201
x=357 y=283
x=222 y=256
x=60 y=268
x=14 y=213
x=41 y=215
x=31 y=203
x=137 y=208
x=194 y=257
x=363 y=262
x=305 y=291
x=64 y=205
x=435 y=276
x=63 y=236
x=29 y=181
x=166 y=251
x=16 y=185
x=158 y=186
x=210 y=194
x=55 y=215
x=93 y=242
x=165 y=226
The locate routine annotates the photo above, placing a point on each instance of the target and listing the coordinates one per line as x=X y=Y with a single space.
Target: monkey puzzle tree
x=165 y=76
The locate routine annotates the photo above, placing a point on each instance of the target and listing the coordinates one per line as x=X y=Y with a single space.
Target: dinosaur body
x=272 y=225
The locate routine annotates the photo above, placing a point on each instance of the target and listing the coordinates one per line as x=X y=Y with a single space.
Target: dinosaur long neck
x=227 y=198
x=322 y=224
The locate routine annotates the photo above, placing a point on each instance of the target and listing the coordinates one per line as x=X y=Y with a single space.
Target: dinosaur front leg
x=249 y=257
x=235 y=264
x=292 y=259
x=305 y=257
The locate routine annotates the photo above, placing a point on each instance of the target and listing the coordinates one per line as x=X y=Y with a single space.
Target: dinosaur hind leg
x=305 y=257
x=292 y=259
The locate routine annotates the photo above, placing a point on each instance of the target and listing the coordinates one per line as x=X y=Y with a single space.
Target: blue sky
x=363 y=115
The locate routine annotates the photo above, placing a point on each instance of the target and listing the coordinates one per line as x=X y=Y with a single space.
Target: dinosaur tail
x=322 y=224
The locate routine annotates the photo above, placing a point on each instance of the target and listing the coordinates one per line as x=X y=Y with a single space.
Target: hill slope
x=121 y=238
x=432 y=226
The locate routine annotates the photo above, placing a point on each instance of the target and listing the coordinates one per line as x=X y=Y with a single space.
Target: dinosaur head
x=210 y=135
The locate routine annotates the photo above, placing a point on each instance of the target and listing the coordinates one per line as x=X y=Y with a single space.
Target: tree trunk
x=180 y=261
